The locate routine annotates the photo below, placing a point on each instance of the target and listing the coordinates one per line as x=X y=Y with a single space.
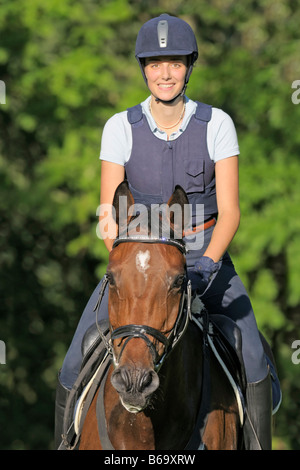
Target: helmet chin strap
x=187 y=77
x=173 y=99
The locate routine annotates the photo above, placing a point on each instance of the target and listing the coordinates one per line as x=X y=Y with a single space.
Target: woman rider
x=167 y=140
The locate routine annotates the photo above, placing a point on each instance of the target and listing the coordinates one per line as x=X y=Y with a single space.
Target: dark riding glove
x=202 y=274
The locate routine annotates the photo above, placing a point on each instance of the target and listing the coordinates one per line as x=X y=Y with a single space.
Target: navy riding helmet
x=166 y=36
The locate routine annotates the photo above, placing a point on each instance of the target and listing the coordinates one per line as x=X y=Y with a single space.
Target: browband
x=142 y=239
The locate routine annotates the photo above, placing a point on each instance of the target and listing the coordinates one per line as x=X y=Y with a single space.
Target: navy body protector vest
x=156 y=166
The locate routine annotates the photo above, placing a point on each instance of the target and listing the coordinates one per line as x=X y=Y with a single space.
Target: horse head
x=146 y=279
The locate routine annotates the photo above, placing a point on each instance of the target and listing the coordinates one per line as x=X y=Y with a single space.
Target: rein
x=143 y=331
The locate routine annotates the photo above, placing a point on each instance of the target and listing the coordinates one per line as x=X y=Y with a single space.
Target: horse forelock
x=150 y=221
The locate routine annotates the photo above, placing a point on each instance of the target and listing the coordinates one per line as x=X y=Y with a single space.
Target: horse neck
x=180 y=383
x=185 y=361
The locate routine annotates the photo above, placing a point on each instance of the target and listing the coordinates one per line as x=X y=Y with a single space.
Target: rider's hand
x=202 y=274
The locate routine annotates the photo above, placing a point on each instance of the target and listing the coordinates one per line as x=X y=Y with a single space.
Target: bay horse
x=154 y=394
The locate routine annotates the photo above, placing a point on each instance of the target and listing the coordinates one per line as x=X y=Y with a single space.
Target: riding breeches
x=226 y=295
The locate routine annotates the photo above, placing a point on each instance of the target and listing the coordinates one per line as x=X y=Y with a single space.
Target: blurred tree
x=68 y=66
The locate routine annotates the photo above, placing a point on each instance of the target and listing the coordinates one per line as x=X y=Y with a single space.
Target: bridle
x=131 y=331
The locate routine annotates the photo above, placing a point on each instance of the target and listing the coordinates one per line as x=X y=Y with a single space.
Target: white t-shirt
x=116 y=144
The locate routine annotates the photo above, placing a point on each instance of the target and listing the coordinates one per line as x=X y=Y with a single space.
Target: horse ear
x=178 y=197
x=122 y=202
x=179 y=211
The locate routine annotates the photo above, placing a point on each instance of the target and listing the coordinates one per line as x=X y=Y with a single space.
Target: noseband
x=143 y=331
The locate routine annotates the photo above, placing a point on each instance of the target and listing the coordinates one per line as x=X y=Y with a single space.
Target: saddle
x=95 y=364
x=225 y=341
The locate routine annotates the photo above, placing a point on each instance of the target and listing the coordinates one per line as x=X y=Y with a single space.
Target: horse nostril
x=145 y=381
x=120 y=379
x=148 y=382
x=133 y=381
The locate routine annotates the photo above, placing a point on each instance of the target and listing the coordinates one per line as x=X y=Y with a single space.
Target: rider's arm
x=112 y=174
x=115 y=150
x=227 y=188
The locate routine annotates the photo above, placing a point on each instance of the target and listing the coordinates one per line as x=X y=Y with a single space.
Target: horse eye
x=111 y=279
x=178 y=282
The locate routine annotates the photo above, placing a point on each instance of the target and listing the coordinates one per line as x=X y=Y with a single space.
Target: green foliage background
x=69 y=65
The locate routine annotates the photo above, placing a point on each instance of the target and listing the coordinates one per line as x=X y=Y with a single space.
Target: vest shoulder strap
x=203 y=111
x=134 y=114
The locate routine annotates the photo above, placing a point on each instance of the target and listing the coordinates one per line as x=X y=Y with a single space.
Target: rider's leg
x=72 y=362
x=227 y=295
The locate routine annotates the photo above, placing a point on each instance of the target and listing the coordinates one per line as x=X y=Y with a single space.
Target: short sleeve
x=116 y=139
x=221 y=136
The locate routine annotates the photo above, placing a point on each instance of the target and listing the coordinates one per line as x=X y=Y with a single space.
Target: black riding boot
x=62 y=394
x=258 y=422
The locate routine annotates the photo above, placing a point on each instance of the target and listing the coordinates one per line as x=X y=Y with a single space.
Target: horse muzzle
x=135 y=386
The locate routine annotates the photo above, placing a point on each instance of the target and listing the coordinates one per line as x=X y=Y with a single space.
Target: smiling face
x=166 y=76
